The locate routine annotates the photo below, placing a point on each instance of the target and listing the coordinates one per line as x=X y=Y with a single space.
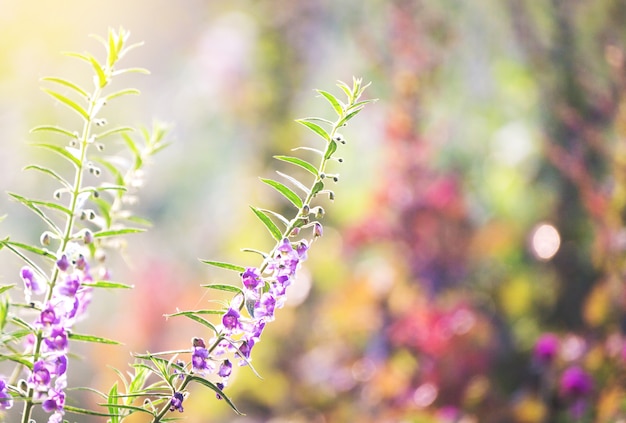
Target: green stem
x=67 y=235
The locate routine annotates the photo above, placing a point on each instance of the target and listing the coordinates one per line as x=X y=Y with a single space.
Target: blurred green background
x=424 y=298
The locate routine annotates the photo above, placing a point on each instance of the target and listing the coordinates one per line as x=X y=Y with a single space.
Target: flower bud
x=318 y=230
x=319 y=212
x=339 y=138
x=45 y=238
x=88 y=237
x=306 y=210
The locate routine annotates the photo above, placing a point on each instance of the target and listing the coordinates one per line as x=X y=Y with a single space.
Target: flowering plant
x=89 y=215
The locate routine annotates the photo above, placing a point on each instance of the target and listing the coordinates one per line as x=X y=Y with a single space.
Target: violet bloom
x=251 y=278
x=40 y=377
x=264 y=307
x=230 y=320
x=69 y=286
x=546 y=348
x=63 y=263
x=575 y=383
x=176 y=403
x=31 y=282
x=199 y=358
x=225 y=369
x=6 y=400
x=55 y=401
x=47 y=317
x=57 y=340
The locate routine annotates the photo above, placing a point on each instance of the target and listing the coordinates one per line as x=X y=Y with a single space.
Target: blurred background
x=472 y=264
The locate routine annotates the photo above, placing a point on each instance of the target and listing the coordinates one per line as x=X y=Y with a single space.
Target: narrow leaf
x=90 y=338
x=319 y=185
x=4 y=288
x=29 y=248
x=97 y=67
x=299 y=162
x=107 y=284
x=68 y=102
x=294 y=181
x=280 y=217
x=52 y=173
x=79 y=410
x=210 y=385
x=271 y=226
x=114 y=131
x=348 y=117
x=67 y=83
x=333 y=101
x=315 y=128
x=115 y=232
x=120 y=93
x=198 y=319
x=224 y=287
x=332 y=147
x=61 y=151
x=131 y=70
x=224 y=265
x=284 y=190
x=57 y=129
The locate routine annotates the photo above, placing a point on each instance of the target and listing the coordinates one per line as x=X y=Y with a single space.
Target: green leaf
x=210 y=385
x=107 y=284
x=332 y=147
x=14 y=249
x=29 y=248
x=97 y=67
x=113 y=131
x=337 y=105
x=57 y=129
x=271 y=226
x=205 y=311
x=131 y=70
x=90 y=338
x=76 y=55
x=32 y=204
x=68 y=102
x=299 y=162
x=116 y=232
x=224 y=265
x=225 y=287
x=195 y=318
x=133 y=147
x=346 y=89
x=67 y=83
x=284 y=190
x=294 y=181
x=319 y=185
x=4 y=288
x=120 y=93
x=347 y=118
x=79 y=410
x=61 y=151
x=50 y=172
x=280 y=217
x=315 y=128
x=112 y=401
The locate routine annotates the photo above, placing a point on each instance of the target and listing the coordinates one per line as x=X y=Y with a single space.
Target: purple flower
x=31 y=282
x=63 y=263
x=244 y=351
x=176 y=403
x=225 y=369
x=6 y=400
x=69 y=286
x=575 y=383
x=199 y=359
x=546 y=348
x=48 y=316
x=55 y=401
x=60 y=365
x=40 y=376
x=230 y=320
x=318 y=230
x=220 y=386
x=264 y=307
x=251 y=278
x=57 y=340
